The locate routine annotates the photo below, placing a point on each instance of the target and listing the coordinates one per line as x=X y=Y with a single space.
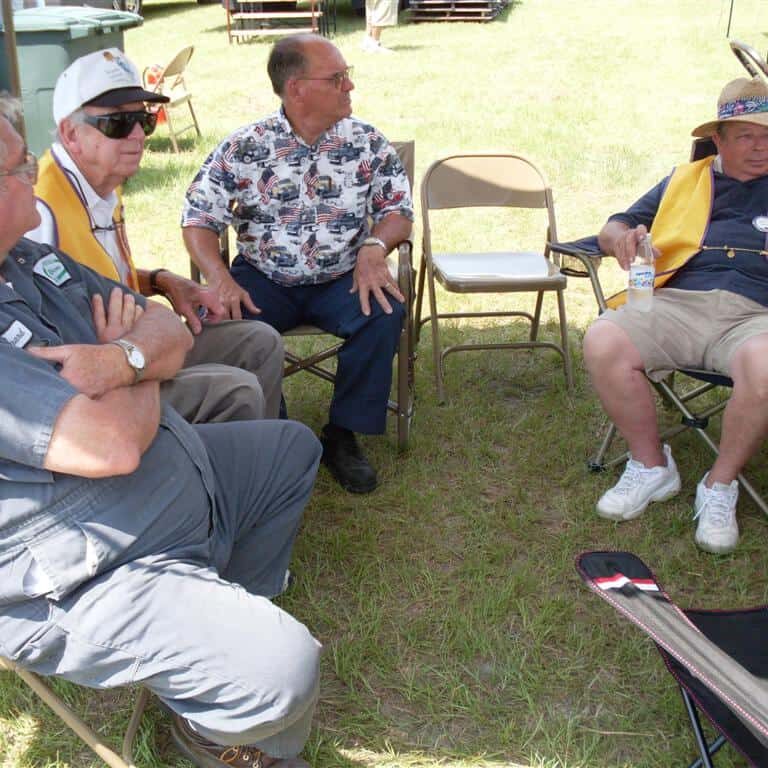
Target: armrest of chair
x=587 y=251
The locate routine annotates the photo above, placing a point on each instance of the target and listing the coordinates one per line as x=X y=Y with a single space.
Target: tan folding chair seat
x=403 y=404
x=78 y=725
x=170 y=82
x=488 y=180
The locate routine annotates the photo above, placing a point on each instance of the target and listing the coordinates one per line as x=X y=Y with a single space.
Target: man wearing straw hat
x=708 y=221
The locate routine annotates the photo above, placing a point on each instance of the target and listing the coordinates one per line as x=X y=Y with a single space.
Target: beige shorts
x=690 y=329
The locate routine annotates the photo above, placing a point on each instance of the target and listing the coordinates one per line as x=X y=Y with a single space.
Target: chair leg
x=436 y=349
x=79 y=726
x=567 y=362
x=171 y=132
x=419 y=298
x=706 y=750
x=194 y=117
x=403 y=388
x=142 y=699
x=597 y=462
x=537 y=316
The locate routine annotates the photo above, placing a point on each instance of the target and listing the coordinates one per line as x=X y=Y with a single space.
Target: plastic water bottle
x=641 y=275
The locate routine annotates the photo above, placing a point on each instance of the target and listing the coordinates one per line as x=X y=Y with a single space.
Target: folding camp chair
x=718 y=658
x=489 y=180
x=73 y=721
x=169 y=81
x=403 y=405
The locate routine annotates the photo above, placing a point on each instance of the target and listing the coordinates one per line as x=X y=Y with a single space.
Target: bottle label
x=641 y=276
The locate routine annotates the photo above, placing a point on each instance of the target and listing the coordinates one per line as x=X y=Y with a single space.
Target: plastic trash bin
x=48 y=40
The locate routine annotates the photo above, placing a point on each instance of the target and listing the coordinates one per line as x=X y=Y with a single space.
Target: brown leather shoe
x=206 y=754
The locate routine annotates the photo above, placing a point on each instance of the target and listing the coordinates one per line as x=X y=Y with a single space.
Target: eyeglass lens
x=118 y=125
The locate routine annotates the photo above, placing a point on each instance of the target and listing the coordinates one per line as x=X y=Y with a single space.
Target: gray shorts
x=690 y=329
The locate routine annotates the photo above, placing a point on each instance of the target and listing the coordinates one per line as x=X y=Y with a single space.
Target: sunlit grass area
x=455 y=628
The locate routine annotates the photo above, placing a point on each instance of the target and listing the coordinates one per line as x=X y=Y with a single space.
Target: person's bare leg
x=617 y=374
x=745 y=419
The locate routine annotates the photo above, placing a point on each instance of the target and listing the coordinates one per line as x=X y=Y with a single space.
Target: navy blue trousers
x=364 y=369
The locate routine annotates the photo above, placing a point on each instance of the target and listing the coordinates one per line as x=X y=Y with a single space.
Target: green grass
x=456 y=630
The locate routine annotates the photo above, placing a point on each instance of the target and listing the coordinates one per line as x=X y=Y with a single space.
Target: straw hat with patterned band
x=743 y=101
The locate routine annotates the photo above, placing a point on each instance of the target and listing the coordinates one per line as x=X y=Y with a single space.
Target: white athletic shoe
x=637 y=487
x=715 y=509
x=368 y=43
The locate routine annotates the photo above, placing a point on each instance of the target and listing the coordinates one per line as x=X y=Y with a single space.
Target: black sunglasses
x=118 y=125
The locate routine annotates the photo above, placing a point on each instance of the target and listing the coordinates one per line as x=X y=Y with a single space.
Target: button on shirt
x=300 y=212
x=735 y=205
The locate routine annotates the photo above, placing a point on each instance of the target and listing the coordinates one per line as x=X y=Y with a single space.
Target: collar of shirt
x=282 y=119
x=101 y=209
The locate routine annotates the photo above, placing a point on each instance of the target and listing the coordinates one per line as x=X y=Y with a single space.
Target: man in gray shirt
x=135 y=548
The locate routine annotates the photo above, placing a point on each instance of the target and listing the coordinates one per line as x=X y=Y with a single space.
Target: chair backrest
x=484 y=180
x=406 y=151
x=701 y=148
x=179 y=62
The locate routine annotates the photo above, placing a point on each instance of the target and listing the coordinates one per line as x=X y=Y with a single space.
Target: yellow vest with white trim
x=73 y=224
x=681 y=222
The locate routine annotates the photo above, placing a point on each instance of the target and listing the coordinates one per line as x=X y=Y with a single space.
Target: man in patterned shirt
x=301 y=189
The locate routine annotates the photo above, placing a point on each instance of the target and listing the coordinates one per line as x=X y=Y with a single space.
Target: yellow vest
x=73 y=224
x=681 y=222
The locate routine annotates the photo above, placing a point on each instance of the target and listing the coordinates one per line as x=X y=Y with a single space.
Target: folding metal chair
x=717 y=657
x=169 y=81
x=403 y=404
x=489 y=180
x=78 y=725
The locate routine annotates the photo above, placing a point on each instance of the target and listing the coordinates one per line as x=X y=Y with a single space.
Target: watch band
x=375 y=241
x=153 y=285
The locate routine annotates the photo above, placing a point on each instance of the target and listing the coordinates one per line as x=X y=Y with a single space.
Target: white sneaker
x=368 y=43
x=637 y=487
x=715 y=509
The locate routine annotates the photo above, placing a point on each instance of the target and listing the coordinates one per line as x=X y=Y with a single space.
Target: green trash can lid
x=80 y=22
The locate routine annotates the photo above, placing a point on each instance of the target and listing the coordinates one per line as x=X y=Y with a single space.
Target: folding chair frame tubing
x=78 y=725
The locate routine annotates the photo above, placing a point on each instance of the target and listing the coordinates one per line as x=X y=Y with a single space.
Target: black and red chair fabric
x=719 y=658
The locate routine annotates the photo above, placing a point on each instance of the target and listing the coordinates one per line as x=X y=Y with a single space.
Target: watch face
x=136 y=358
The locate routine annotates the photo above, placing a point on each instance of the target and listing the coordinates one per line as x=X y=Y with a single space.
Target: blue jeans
x=364 y=370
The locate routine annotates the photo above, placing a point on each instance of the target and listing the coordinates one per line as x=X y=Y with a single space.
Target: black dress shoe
x=346 y=461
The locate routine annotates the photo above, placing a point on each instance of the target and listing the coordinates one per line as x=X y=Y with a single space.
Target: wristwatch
x=134 y=356
x=375 y=241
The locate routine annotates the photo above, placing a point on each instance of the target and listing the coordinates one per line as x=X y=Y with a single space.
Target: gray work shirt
x=73 y=528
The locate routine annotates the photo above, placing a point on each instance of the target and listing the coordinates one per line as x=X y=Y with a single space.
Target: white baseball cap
x=105 y=78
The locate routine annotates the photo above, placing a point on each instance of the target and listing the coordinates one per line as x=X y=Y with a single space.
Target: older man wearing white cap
x=709 y=222
x=234 y=370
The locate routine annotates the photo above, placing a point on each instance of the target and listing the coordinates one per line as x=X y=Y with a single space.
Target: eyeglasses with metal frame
x=118 y=125
x=26 y=170
x=337 y=78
